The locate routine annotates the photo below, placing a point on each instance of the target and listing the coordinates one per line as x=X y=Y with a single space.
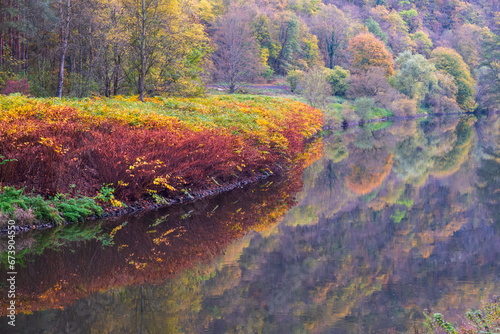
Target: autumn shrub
x=16 y=86
x=293 y=79
x=348 y=114
x=167 y=145
x=404 y=107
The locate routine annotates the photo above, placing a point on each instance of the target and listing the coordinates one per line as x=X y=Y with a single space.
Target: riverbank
x=120 y=152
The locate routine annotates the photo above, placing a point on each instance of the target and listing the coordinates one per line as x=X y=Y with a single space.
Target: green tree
x=375 y=29
x=338 y=78
x=451 y=62
x=416 y=75
x=423 y=44
x=289 y=44
x=293 y=79
x=168 y=46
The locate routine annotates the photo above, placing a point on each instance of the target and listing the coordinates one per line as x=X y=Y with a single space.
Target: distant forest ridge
x=440 y=55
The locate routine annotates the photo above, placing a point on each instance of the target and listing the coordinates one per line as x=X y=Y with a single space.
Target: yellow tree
x=368 y=51
x=165 y=38
x=451 y=62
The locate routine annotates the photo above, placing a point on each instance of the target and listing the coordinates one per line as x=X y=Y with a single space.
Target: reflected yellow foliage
x=362 y=180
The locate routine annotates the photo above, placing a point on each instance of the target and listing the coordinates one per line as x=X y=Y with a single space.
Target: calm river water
x=392 y=220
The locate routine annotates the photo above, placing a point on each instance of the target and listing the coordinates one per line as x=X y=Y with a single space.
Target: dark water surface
x=390 y=222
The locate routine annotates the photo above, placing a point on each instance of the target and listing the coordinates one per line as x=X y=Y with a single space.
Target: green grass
x=27 y=209
x=377 y=125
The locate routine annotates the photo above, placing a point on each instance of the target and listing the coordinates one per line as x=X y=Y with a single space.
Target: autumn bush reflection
x=148 y=248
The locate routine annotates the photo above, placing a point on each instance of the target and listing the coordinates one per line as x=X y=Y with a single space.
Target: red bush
x=56 y=147
x=16 y=86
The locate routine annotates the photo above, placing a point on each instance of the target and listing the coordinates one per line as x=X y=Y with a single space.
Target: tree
x=451 y=62
x=12 y=36
x=168 y=46
x=289 y=29
x=370 y=83
x=338 y=80
x=375 y=29
x=64 y=21
x=468 y=41
x=364 y=107
x=293 y=79
x=145 y=20
x=315 y=88
x=443 y=96
x=331 y=27
x=237 y=58
x=395 y=27
x=416 y=76
x=423 y=44
x=368 y=51
x=489 y=92
x=410 y=16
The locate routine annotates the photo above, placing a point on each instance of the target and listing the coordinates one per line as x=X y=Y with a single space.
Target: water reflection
x=391 y=221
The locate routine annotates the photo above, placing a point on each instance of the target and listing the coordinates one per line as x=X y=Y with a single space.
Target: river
x=393 y=220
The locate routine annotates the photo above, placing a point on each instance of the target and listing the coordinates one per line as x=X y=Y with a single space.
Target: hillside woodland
x=405 y=56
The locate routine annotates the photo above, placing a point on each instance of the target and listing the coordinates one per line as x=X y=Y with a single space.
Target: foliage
x=485 y=320
x=375 y=29
x=314 y=87
x=423 y=42
x=163 y=144
x=416 y=76
x=338 y=78
x=75 y=209
x=398 y=216
x=293 y=78
x=288 y=40
x=106 y=194
x=451 y=62
x=367 y=51
x=26 y=209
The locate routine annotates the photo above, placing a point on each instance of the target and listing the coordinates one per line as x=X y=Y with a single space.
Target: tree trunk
x=64 y=44
x=142 y=73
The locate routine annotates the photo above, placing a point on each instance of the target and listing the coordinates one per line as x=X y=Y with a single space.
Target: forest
x=406 y=57
x=110 y=107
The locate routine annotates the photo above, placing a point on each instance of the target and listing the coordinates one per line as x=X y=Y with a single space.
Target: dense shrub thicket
x=167 y=147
